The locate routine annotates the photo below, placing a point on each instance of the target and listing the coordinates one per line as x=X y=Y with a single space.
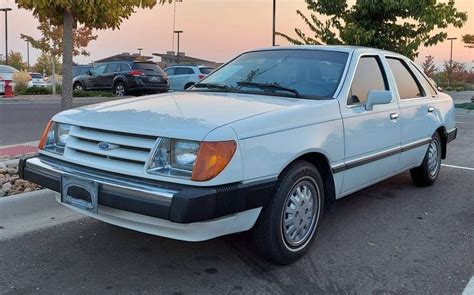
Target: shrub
x=20 y=80
x=82 y=93
x=37 y=91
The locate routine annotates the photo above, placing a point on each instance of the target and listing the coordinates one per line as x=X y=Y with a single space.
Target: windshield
x=297 y=72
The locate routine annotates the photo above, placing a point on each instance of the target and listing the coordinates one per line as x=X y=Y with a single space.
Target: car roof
x=340 y=48
x=7 y=69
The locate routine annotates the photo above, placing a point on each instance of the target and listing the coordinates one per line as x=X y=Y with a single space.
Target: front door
x=372 y=138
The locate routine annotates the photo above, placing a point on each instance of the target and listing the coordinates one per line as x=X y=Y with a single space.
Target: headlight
x=191 y=159
x=174 y=157
x=54 y=137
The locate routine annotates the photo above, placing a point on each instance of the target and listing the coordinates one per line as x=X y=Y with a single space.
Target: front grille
x=130 y=152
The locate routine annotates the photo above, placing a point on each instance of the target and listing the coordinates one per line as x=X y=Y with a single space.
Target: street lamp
x=6 y=32
x=450 y=60
x=174 y=21
x=177 y=53
x=28 y=53
x=274 y=23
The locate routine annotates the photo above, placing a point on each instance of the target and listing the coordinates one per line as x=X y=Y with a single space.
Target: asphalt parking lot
x=391 y=238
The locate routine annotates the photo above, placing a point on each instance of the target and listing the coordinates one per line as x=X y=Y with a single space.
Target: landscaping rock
x=7 y=187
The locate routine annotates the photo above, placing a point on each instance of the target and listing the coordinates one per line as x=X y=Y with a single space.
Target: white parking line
x=464 y=123
x=469 y=290
x=458 y=167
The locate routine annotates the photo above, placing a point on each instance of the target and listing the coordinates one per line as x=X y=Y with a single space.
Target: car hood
x=187 y=115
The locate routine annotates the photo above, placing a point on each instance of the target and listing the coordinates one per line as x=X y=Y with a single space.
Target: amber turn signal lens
x=212 y=158
x=44 y=136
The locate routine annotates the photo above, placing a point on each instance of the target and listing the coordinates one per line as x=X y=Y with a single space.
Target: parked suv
x=182 y=77
x=124 y=77
x=78 y=70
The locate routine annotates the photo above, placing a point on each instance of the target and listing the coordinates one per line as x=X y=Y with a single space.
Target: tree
x=455 y=72
x=400 y=26
x=51 y=42
x=428 y=66
x=15 y=59
x=93 y=14
x=468 y=40
x=44 y=62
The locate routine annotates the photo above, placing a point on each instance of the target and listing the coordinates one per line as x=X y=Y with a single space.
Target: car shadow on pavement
x=383 y=239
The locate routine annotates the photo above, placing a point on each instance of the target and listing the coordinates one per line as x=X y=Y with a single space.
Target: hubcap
x=299 y=216
x=434 y=157
x=78 y=87
x=119 y=90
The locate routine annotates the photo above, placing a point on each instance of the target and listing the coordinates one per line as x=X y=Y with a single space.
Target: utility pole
x=450 y=61
x=177 y=53
x=174 y=21
x=6 y=32
x=274 y=23
x=28 y=54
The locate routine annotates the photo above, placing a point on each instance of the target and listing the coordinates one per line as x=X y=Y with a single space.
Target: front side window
x=431 y=88
x=368 y=76
x=297 y=73
x=99 y=69
x=408 y=86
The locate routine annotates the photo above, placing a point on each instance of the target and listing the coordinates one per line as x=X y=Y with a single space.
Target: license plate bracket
x=80 y=192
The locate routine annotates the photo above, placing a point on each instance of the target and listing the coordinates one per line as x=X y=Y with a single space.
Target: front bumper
x=130 y=199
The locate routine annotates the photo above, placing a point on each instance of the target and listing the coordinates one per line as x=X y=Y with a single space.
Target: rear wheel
x=427 y=173
x=77 y=86
x=288 y=224
x=119 y=89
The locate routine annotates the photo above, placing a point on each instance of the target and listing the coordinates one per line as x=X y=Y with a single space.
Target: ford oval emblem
x=105 y=146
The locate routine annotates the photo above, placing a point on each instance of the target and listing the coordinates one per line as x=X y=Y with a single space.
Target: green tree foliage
x=15 y=59
x=44 y=62
x=468 y=40
x=51 y=40
x=93 y=14
x=397 y=25
x=428 y=66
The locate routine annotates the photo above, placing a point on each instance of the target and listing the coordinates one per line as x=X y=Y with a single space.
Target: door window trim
x=384 y=74
x=407 y=66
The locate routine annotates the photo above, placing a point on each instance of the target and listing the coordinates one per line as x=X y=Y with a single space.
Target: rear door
x=417 y=112
x=182 y=75
x=372 y=138
x=92 y=81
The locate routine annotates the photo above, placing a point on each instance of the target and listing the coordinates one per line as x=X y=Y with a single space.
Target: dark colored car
x=124 y=77
x=78 y=70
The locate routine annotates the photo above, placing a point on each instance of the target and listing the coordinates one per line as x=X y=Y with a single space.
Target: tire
x=189 y=85
x=427 y=173
x=78 y=86
x=273 y=234
x=120 y=89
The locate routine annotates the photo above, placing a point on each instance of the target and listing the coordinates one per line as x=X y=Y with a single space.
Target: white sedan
x=269 y=141
x=6 y=73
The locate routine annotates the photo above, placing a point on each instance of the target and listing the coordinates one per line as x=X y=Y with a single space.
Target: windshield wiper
x=274 y=86
x=212 y=86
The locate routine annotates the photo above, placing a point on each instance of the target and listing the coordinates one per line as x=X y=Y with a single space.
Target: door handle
x=393 y=116
x=430 y=109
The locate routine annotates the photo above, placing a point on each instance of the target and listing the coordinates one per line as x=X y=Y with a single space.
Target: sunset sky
x=213 y=29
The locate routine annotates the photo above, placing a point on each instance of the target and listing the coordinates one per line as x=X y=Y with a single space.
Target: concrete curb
x=28 y=212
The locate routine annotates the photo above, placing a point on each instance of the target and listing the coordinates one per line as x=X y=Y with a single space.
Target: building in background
x=169 y=59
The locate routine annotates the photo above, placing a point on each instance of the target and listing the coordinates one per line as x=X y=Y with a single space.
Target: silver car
x=181 y=77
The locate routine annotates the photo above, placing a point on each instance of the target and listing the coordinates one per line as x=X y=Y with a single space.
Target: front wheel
x=119 y=89
x=288 y=224
x=427 y=173
x=78 y=86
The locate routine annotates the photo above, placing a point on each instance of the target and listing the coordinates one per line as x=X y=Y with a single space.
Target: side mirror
x=89 y=73
x=378 y=97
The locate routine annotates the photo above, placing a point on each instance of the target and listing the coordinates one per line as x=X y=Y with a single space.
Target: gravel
x=10 y=182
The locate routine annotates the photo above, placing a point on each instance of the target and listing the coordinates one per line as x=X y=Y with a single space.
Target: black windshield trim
x=263 y=93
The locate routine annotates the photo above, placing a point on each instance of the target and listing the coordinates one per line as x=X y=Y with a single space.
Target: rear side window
x=431 y=88
x=112 y=68
x=124 y=67
x=206 y=71
x=183 y=71
x=369 y=75
x=408 y=86
x=148 y=66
